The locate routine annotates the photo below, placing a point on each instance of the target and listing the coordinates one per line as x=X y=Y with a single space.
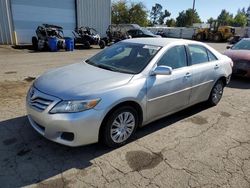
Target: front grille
x=38 y=100
x=40 y=103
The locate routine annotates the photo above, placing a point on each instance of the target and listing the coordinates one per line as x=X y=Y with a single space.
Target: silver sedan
x=125 y=86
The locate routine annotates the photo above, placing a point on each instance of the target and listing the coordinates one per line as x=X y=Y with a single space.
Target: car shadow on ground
x=239 y=83
x=27 y=158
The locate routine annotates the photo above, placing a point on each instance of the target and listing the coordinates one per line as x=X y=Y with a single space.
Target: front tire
x=120 y=127
x=199 y=37
x=217 y=38
x=216 y=93
x=87 y=45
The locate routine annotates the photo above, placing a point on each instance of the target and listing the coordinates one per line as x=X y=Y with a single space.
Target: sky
x=205 y=8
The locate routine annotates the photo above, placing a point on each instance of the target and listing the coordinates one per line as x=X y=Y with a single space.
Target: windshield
x=124 y=57
x=147 y=32
x=242 y=45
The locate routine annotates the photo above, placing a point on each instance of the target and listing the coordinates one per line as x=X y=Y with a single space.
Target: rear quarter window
x=211 y=56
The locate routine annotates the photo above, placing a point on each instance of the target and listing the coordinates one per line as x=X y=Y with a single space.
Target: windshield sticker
x=151 y=47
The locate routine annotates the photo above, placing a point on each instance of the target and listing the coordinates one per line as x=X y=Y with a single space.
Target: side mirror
x=162 y=70
x=229 y=46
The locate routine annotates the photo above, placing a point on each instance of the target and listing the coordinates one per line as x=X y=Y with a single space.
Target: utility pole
x=193 y=12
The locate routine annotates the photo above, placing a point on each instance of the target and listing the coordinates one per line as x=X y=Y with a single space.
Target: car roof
x=160 y=41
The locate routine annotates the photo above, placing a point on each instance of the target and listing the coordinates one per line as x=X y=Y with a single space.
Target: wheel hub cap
x=122 y=127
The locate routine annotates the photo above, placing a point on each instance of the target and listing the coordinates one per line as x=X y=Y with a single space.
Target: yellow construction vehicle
x=216 y=33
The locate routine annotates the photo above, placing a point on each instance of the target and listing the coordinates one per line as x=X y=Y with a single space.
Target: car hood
x=78 y=80
x=238 y=54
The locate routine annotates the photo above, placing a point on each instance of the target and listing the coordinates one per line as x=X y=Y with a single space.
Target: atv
x=116 y=33
x=46 y=31
x=88 y=36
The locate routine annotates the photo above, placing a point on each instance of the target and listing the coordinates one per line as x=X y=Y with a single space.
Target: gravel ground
x=197 y=147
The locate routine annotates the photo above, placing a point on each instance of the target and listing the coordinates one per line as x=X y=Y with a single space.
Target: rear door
x=204 y=66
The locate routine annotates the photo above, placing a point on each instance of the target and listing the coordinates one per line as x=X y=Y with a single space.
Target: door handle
x=216 y=66
x=188 y=75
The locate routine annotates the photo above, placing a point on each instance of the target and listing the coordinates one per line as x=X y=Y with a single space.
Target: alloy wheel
x=217 y=93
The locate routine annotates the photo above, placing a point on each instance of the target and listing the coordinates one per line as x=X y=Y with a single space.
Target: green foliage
x=211 y=20
x=171 y=22
x=124 y=13
x=138 y=14
x=240 y=20
x=120 y=12
x=157 y=15
x=225 y=18
x=187 y=18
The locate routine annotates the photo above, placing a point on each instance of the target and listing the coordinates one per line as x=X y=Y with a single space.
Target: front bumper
x=80 y=128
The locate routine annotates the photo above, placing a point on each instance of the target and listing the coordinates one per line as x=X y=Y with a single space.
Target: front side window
x=175 y=57
x=124 y=57
x=198 y=54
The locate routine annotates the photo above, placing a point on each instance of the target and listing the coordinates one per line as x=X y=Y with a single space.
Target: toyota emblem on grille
x=32 y=92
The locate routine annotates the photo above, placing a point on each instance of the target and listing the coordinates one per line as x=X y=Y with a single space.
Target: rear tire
x=216 y=93
x=34 y=43
x=120 y=127
x=102 y=44
x=217 y=38
x=199 y=37
x=87 y=44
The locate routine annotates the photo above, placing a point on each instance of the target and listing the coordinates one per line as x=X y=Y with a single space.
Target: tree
x=248 y=16
x=164 y=15
x=181 y=19
x=225 y=18
x=157 y=15
x=211 y=20
x=240 y=20
x=124 y=13
x=187 y=18
x=138 y=14
x=120 y=12
x=171 y=22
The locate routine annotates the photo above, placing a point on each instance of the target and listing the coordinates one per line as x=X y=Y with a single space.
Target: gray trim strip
x=188 y=88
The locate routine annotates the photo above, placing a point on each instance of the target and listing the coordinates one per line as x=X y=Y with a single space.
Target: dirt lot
x=198 y=147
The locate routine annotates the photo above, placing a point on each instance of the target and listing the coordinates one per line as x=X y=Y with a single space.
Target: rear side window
x=198 y=54
x=211 y=56
x=175 y=57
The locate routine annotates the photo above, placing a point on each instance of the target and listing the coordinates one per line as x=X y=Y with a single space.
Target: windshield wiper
x=102 y=66
x=105 y=67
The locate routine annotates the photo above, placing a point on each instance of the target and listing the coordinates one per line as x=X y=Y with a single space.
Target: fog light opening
x=67 y=136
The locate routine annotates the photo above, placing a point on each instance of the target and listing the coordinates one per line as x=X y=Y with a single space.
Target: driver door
x=169 y=93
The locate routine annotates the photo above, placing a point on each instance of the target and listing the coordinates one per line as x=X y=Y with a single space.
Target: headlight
x=74 y=106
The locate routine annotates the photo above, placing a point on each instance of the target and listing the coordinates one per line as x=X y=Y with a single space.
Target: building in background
x=20 y=18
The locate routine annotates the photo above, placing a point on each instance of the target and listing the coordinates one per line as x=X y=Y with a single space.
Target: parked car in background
x=240 y=54
x=125 y=86
x=139 y=33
